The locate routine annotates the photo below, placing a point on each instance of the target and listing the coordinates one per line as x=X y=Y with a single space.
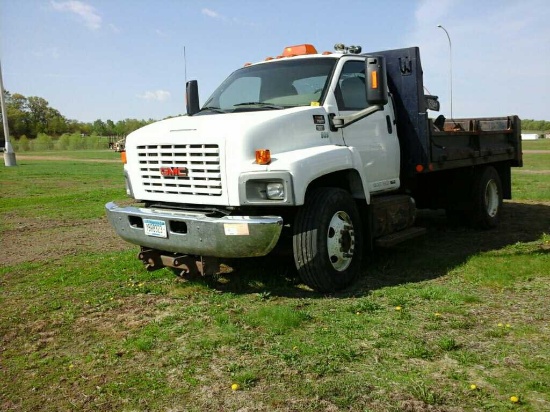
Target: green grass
x=64 y=190
x=540 y=144
x=104 y=154
x=530 y=185
x=95 y=331
x=535 y=162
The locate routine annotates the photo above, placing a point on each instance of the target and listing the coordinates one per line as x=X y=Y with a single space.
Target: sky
x=118 y=59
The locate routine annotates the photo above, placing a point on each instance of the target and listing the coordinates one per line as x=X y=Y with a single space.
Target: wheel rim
x=340 y=241
x=491 y=198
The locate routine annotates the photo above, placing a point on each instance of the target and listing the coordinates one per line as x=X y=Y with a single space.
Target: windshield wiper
x=212 y=109
x=262 y=104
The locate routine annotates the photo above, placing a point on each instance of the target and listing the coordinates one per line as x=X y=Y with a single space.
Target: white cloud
x=158 y=95
x=234 y=20
x=213 y=14
x=86 y=12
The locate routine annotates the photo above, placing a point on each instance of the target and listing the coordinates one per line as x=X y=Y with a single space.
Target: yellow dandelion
x=398 y=308
x=473 y=387
x=514 y=399
x=500 y=325
x=235 y=387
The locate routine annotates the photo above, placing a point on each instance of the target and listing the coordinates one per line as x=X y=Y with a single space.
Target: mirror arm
x=340 y=122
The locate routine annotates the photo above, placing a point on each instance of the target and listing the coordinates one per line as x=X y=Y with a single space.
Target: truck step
x=398 y=237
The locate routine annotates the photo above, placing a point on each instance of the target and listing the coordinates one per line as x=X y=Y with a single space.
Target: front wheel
x=487 y=198
x=327 y=240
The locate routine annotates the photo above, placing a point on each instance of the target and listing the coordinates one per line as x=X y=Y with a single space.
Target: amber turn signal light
x=263 y=156
x=123 y=156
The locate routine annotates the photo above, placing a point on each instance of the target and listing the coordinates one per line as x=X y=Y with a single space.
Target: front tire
x=328 y=240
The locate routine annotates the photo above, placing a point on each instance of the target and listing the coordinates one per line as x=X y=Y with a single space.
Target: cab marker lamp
x=263 y=156
x=298 y=50
x=123 y=157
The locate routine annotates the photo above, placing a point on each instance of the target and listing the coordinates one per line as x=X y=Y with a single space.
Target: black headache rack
x=456 y=142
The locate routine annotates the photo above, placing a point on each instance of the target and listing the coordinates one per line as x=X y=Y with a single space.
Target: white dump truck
x=336 y=149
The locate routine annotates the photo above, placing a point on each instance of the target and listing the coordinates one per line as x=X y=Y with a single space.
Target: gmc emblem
x=174 y=171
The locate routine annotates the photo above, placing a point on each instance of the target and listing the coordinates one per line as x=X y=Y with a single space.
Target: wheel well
x=348 y=180
x=451 y=187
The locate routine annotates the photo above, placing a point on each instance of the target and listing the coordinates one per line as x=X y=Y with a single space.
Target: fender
x=306 y=165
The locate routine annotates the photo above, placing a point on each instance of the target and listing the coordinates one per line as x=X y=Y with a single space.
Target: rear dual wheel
x=327 y=241
x=487 y=198
x=480 y=200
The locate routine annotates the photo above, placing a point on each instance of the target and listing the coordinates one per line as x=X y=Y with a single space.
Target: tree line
x=32 y=116
x=535 y=125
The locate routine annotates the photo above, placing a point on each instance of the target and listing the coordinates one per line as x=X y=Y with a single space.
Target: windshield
x=275 y=85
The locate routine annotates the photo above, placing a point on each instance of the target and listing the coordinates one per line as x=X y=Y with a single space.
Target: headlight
x=266 y=188
x=275 y=191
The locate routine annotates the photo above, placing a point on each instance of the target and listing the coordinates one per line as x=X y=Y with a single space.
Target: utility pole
x=9 y=154
x=450 y=64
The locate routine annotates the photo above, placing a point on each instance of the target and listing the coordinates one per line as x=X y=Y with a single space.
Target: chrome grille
x=201 y=160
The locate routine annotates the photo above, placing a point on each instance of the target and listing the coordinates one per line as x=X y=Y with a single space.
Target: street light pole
x=9 y=154
x=450 y=65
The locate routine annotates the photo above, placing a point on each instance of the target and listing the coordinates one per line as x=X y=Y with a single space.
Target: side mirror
x=192 y=97
x=432 y=102
x=377 y=86
x=377 y=92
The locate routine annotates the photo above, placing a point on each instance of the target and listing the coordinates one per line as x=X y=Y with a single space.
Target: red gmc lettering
x=173 y=171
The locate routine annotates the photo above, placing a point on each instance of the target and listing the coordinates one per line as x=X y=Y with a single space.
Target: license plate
x=156 y=228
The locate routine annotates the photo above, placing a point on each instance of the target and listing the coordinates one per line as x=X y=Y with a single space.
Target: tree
x=99 y=128
x=17 y=111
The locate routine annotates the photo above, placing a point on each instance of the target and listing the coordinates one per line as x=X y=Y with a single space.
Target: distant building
x=530 y=136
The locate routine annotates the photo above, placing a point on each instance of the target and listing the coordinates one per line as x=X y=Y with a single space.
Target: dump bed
x=428 y=145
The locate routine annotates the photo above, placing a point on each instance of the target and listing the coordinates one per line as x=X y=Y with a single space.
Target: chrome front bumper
x=194 y=233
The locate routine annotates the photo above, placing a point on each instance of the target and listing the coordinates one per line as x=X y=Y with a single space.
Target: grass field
x=457 y=321
x=540 y=144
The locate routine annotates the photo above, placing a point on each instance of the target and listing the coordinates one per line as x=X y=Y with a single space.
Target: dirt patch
x=536 y=151
x=35 y=240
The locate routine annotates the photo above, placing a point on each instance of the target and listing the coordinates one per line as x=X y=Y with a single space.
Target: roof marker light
x=298 y=50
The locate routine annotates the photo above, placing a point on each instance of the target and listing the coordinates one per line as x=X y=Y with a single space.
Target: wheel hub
x=491 y=198
x=340 y=241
